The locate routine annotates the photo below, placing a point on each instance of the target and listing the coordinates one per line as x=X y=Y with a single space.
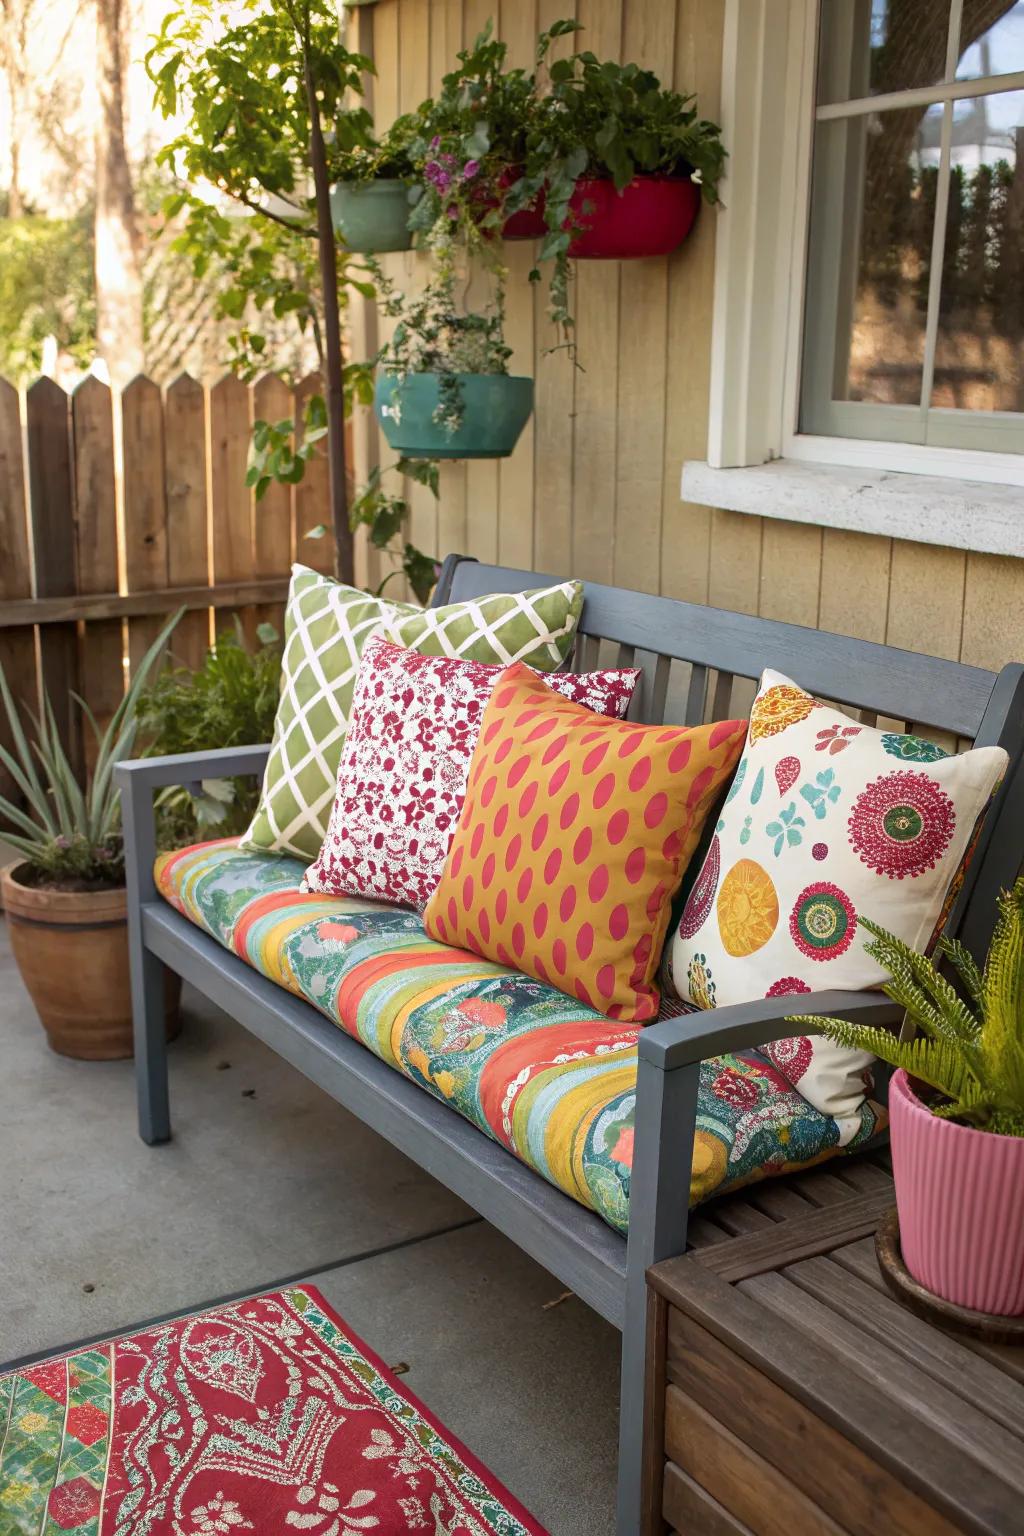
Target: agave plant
x=973 y=1056
x=70 y=832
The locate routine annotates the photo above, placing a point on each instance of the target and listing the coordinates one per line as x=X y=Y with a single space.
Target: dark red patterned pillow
x=402 y=777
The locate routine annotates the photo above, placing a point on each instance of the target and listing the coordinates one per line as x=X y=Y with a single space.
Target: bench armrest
x=138 y=777
x=191 y=767
x=693 y=1037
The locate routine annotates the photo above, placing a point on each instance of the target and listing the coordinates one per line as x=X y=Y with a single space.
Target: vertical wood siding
x=592 y=489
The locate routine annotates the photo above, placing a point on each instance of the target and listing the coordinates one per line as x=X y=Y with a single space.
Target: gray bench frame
x=572 y=1243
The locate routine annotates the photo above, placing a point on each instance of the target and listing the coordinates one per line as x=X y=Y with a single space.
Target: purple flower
x=435 y=141
x=453 y=211
x=438 y=177
x=62 y=843
x=470 y=169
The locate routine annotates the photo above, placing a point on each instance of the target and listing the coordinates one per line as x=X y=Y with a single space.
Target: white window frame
x=768 y=113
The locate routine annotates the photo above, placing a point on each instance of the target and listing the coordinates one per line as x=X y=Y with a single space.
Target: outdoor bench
x=691 y=658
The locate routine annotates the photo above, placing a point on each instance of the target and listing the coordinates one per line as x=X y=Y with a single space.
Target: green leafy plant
x=229 y=701
x=69 y=832
x=601 y=119
x=971 y=1053
x=383 y=513
x=274 y=454
x=356 y=155
x=625 y=123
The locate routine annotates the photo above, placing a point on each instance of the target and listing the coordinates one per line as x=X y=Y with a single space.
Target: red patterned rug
x=266 y=1416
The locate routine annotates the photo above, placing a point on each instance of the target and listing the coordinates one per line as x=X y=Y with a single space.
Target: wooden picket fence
x=99 y=543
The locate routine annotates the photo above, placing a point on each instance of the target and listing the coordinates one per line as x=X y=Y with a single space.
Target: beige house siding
x=593 y=486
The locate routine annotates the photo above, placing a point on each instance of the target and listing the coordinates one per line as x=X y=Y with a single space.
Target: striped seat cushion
x=549 y=1079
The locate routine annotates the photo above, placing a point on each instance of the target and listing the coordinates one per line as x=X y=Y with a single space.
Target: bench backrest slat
x=697 y=661
x=901 y=685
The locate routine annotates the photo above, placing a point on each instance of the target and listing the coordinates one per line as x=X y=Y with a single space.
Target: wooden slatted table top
x=781 y=1328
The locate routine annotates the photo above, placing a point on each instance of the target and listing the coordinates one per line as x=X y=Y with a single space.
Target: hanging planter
x=494 y=409
x=525 y=223
x=651 y=216
x=373 y=216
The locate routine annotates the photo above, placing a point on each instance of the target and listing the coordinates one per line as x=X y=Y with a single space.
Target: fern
x=972 y=1056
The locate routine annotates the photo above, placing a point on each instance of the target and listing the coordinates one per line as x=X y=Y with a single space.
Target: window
x=913 y=317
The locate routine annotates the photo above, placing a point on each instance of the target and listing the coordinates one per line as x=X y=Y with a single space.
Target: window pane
x=873 y=211
x=979 y=351
x=868 y=47
x=991 y=38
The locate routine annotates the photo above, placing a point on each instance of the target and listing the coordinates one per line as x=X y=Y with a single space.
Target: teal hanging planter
x=496 y=408
x=373 y=216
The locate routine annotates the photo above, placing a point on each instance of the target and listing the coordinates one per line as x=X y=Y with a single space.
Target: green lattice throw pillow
x=326 y=627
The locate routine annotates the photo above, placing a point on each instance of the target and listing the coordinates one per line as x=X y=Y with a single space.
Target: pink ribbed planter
x=960 y=1195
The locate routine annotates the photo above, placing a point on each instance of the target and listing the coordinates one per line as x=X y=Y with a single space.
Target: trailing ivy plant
x=971 y=1054
x=276 y=456
x=434 y=335
x=384 y=513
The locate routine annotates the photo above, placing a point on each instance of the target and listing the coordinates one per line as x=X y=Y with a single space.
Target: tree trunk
x=118 y=270
x=914 y=54
x=14 y=22
x=344 y=553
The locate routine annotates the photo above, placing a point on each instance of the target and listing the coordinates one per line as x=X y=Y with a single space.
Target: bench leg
x=149 y=1005
x=666 y=1106
x=149 y=1022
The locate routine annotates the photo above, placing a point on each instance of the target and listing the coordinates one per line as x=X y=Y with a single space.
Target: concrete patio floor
x=268 y=1180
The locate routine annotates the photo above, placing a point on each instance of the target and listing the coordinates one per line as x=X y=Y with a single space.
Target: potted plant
x=471 y=151
x=229 y=701
x=443 y=390
x=957 y=1112
x=65 y=897
x=617 y=163
x=376 y=185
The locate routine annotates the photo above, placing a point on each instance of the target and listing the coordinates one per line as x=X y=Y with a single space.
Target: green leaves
x=383 y=514
x=973 y=1057
x=273 y=454
x=71 y=831
x=231 y=700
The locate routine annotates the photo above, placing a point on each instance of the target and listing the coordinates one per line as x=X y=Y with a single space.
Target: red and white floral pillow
x=402 y=778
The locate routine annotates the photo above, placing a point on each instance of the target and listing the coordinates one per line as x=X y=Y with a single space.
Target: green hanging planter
x=496 y=408
x=373 y=216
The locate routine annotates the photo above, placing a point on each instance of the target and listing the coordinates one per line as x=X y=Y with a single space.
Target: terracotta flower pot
x=72 y=952
x=960 y=1196
x=649 y=217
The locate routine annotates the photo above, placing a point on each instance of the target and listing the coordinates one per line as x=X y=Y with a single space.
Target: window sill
x=926 y=509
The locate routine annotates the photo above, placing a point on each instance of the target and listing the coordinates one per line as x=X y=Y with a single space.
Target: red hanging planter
x=649 y=217
x=528 y=223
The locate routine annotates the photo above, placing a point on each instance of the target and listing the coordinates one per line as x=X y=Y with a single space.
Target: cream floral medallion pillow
x=326 y=626
x=825 y=822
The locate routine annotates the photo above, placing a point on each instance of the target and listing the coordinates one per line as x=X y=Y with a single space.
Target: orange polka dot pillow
x=573 y=839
